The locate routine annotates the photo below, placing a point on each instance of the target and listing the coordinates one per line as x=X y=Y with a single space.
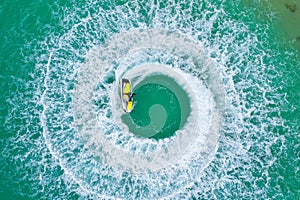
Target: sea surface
x=61 y=129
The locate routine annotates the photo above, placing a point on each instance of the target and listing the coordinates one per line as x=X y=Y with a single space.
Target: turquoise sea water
x=53 y=146
x=161 y=108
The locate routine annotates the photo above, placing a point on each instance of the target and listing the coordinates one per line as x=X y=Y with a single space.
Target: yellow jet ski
x=126 y=95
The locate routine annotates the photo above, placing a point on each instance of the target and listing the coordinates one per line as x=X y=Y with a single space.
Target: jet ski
x=126 y=95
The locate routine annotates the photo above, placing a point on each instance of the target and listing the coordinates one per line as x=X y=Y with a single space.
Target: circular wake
x=104 y=146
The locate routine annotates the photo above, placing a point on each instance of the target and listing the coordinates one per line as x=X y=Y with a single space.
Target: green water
x=259 y=151
x=162 y=107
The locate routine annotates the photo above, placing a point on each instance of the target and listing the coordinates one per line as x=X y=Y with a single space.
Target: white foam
x=95 y=124
x=48 y=143
x=100 y=139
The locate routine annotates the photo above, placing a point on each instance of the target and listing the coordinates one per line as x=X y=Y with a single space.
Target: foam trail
x=45 y=131
x=106 y=145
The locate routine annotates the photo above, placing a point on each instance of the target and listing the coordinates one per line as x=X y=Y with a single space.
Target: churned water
x=225 y=122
